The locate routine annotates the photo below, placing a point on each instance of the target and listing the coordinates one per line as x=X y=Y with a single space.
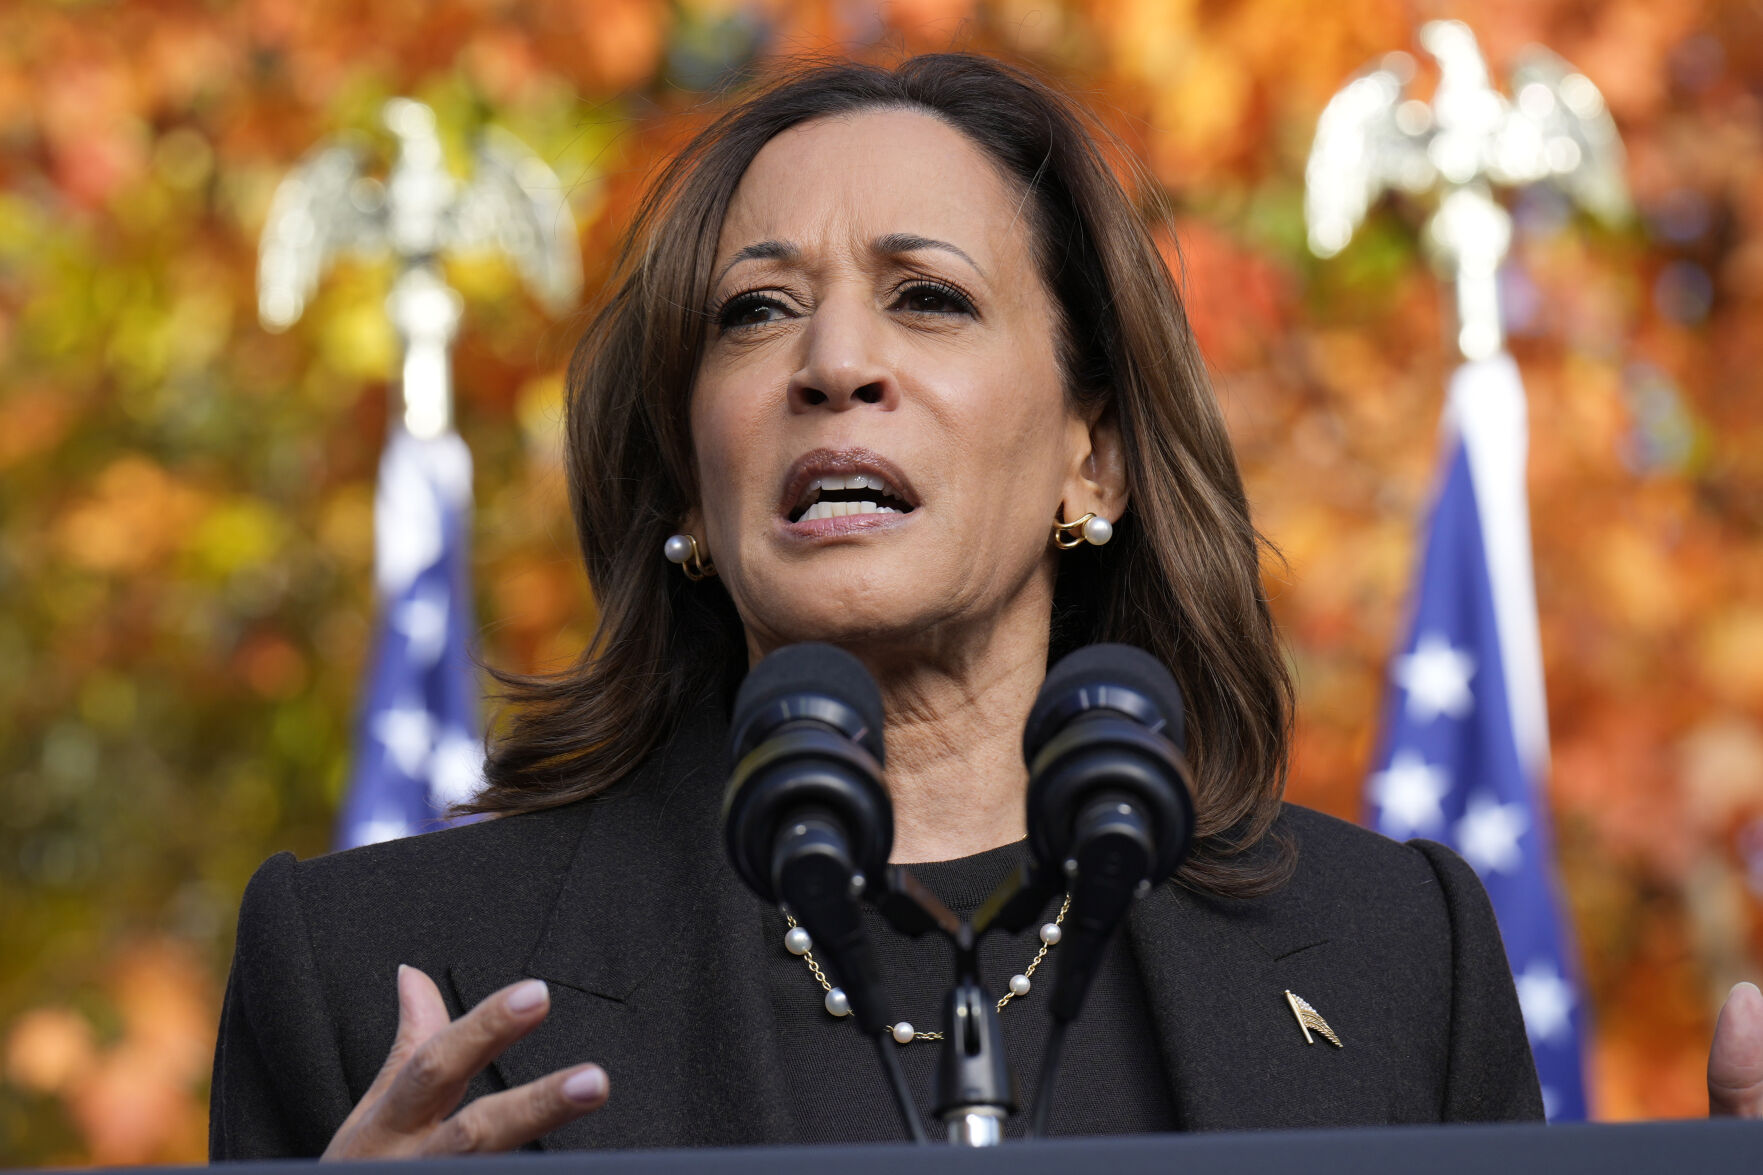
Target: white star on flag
x=423 y=621
x=1435 y=677
x=407 y=733
x=457 y=770
x=420 y=481
x=1547 y=1000
x=1408 y=794
x=1487 y=836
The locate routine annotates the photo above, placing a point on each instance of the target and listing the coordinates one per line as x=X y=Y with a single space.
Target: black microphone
x=806 y=820
x=1108 y=809
x=1108 y=800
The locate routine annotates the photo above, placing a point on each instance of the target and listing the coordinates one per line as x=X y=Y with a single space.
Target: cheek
x=1016 y=448
x=726 y=439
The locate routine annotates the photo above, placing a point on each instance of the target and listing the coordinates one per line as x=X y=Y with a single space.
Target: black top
x=660 y=968
x=1111 y=1080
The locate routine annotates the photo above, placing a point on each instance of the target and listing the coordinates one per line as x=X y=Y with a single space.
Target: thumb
x=1735 y=1059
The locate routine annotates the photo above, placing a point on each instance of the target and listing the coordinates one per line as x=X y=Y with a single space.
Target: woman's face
x=879 y=418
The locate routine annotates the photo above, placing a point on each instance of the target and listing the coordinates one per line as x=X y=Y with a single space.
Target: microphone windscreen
x=1080 y=681
x=805 y=671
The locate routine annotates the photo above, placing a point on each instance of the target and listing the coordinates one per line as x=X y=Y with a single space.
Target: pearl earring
x=1090 y=529
x=683 y=550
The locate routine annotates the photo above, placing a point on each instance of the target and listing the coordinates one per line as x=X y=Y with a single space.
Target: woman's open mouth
x=839 y=496
x=858 y=485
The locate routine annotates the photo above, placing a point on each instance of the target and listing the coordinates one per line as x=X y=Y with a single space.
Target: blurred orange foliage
x=133 y=1098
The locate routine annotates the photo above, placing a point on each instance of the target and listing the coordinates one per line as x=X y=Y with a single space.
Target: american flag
x=1465 y=738
x=417 y=747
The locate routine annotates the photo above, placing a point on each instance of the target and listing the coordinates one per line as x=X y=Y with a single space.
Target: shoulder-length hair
x=1181 y=577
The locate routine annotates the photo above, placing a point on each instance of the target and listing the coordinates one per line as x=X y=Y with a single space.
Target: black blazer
x=626 y=906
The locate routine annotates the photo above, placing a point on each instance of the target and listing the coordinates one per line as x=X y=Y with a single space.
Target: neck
x=954 y=737
x=956 y=695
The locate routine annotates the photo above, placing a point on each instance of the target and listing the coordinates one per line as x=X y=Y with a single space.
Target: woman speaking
x=890 y=362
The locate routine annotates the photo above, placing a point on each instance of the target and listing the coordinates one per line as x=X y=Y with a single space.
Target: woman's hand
x=1735 y=1060
x=405 y=1111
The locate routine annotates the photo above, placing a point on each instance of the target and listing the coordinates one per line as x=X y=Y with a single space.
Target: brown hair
x=1180 y=579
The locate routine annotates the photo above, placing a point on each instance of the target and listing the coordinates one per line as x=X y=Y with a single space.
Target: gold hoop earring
x=683 y=550
x=1089 y=529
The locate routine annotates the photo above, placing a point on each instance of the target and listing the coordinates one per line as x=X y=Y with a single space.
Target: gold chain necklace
x=797 y=942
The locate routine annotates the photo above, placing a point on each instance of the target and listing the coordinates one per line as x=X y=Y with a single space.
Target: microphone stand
x=1014 y=906
x=975 y=1091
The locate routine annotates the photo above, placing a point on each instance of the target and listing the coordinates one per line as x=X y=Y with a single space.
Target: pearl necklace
x=797 y=942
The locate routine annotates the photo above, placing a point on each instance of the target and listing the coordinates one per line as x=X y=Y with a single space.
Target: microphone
x=1109 y=808
x=808 y=824
x=1108 y=800
x=806 y=820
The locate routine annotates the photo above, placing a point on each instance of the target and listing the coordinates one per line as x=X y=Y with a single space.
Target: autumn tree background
x=186 y=500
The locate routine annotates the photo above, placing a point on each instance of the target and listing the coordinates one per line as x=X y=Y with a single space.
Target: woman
x=892 y=363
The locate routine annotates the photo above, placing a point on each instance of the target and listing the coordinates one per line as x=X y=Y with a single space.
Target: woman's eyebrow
x=761 y=251
x=890 y=245
x=896 y=243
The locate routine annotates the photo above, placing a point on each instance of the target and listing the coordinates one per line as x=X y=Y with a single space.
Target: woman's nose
x=842 y=365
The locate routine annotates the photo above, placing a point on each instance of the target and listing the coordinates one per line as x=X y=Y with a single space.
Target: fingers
x=432 y=1080
x=421 y=1013
x=1735 y=1059
x=503 y=1121
x=433 y=1059
x=421 y=1010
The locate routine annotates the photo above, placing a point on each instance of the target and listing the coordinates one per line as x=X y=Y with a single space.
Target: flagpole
x=418 y=751
x=1487 y=409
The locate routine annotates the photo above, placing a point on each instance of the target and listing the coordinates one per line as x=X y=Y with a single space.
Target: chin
x=854 y=626
x=854 y=610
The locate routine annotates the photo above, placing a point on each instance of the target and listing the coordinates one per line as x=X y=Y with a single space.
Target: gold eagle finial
x=1309 y=1018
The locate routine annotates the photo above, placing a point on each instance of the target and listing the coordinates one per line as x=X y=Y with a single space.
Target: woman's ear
x=1097 y=482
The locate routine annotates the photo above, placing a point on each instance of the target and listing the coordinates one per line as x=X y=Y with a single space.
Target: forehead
x=874 y=172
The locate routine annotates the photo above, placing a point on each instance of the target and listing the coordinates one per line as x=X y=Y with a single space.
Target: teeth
x=853 y=481
x=843 y=510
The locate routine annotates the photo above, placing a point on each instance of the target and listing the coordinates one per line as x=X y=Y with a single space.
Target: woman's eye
x=749 y=310
x=935 y=299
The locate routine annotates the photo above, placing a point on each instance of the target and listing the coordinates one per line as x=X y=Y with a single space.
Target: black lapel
x=1216 y=972
x=654 y=953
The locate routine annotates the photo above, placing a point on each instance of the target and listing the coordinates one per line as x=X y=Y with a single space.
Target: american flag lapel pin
x=1309 y=1018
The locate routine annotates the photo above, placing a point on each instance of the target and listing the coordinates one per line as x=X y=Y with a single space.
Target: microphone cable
x=1049 y=1076
x=889 y=1054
